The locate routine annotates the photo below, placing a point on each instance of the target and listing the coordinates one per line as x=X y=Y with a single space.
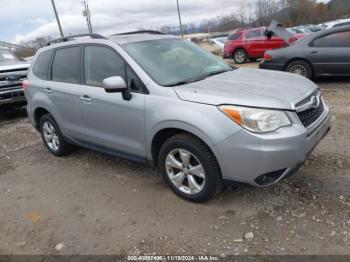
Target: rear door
x=256 y=42
x=330 y=54
x=110 y=122
x=64 y=90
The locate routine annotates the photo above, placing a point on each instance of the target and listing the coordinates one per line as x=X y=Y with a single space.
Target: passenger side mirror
x=116 y=84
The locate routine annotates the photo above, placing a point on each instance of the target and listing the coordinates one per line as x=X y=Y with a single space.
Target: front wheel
x=301 y=68
x=190 y=169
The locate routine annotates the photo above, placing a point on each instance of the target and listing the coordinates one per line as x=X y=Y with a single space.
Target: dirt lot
x=91 y=203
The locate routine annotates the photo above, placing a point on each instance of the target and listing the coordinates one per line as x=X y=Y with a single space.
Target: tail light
x=25 y=85
x=267 y=57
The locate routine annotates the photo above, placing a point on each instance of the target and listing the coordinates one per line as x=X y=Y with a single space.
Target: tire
x=58 y=146
x=301 y=68
x=240 y=56
x=210 y=180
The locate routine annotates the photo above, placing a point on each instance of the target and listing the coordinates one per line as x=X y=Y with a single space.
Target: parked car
x=294 y=30
x=313 y=28
x=305 y=29
x=321 y=54
x=13 y=71
x=220 y=41
x=159 y=99
x=301 y=30
x=251 y=44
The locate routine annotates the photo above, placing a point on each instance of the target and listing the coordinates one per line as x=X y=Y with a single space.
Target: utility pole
x=86 y=13
x=57 y=18
x=178 y=11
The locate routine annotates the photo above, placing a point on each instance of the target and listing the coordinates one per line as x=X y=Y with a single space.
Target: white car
x=220 y=41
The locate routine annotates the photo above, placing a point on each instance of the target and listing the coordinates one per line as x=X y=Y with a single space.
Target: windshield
x=7 y=57
x=171 y=62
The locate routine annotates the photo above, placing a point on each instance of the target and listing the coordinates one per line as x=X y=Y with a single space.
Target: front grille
x=21 y=76
x=6 y=83
x=310 y=116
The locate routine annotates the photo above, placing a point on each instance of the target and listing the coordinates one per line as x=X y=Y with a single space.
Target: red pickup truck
x=252 y=43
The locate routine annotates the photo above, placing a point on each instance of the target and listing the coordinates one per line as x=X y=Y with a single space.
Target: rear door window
x=66 y=65
x=101 y=63
x=254 y=34
x=340 y=39
x=42 y=64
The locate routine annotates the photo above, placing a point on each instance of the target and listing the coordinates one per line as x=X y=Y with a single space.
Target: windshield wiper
x=180 y=83
x=217 y=73
x=200 y=78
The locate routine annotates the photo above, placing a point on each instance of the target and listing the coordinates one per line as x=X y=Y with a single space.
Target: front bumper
x=12 y=96
x=271 y=66
x=249 y=158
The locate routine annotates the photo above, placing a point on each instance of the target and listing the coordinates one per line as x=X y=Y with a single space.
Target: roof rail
x=153 y=32
x=71 y=37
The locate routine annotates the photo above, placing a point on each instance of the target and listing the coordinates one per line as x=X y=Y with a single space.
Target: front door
x=256 y=42
x=111 y=123
x=330 y=54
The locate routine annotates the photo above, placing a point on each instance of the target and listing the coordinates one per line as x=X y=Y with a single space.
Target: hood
x=15 y=66
x=249 y=87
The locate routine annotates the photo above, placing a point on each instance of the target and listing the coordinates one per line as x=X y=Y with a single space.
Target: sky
x=23 y=20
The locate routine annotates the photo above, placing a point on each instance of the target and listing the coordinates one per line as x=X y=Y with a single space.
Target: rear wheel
x=52 y=137
x=190 y=168
x=301 y=68
x=240 y=56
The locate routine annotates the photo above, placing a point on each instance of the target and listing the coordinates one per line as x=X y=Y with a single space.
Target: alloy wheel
x=185 y=171
x=240 y=57
x=298 y=69
x=50 y=136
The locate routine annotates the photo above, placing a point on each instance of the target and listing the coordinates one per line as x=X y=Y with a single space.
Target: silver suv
x=156 y=98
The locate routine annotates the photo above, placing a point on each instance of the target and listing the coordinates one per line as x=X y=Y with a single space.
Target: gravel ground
x=91 y=203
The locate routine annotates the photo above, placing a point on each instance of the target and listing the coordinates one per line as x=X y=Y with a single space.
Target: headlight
x=256 y=119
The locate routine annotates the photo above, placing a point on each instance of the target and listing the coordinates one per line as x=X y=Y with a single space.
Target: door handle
x=48 y=90
x=314 y=52
x=86 y=99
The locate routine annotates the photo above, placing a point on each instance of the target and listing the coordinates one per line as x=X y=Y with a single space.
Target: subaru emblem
x=315 y=101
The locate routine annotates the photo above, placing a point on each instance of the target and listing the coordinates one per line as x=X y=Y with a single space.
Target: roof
x=332 y=30
x=124 y=39
x=118 y=39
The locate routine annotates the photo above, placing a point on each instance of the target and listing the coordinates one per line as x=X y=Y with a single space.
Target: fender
x=190 y=117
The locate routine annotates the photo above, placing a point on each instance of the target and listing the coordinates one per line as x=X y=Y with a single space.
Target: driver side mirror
x=116 y=84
